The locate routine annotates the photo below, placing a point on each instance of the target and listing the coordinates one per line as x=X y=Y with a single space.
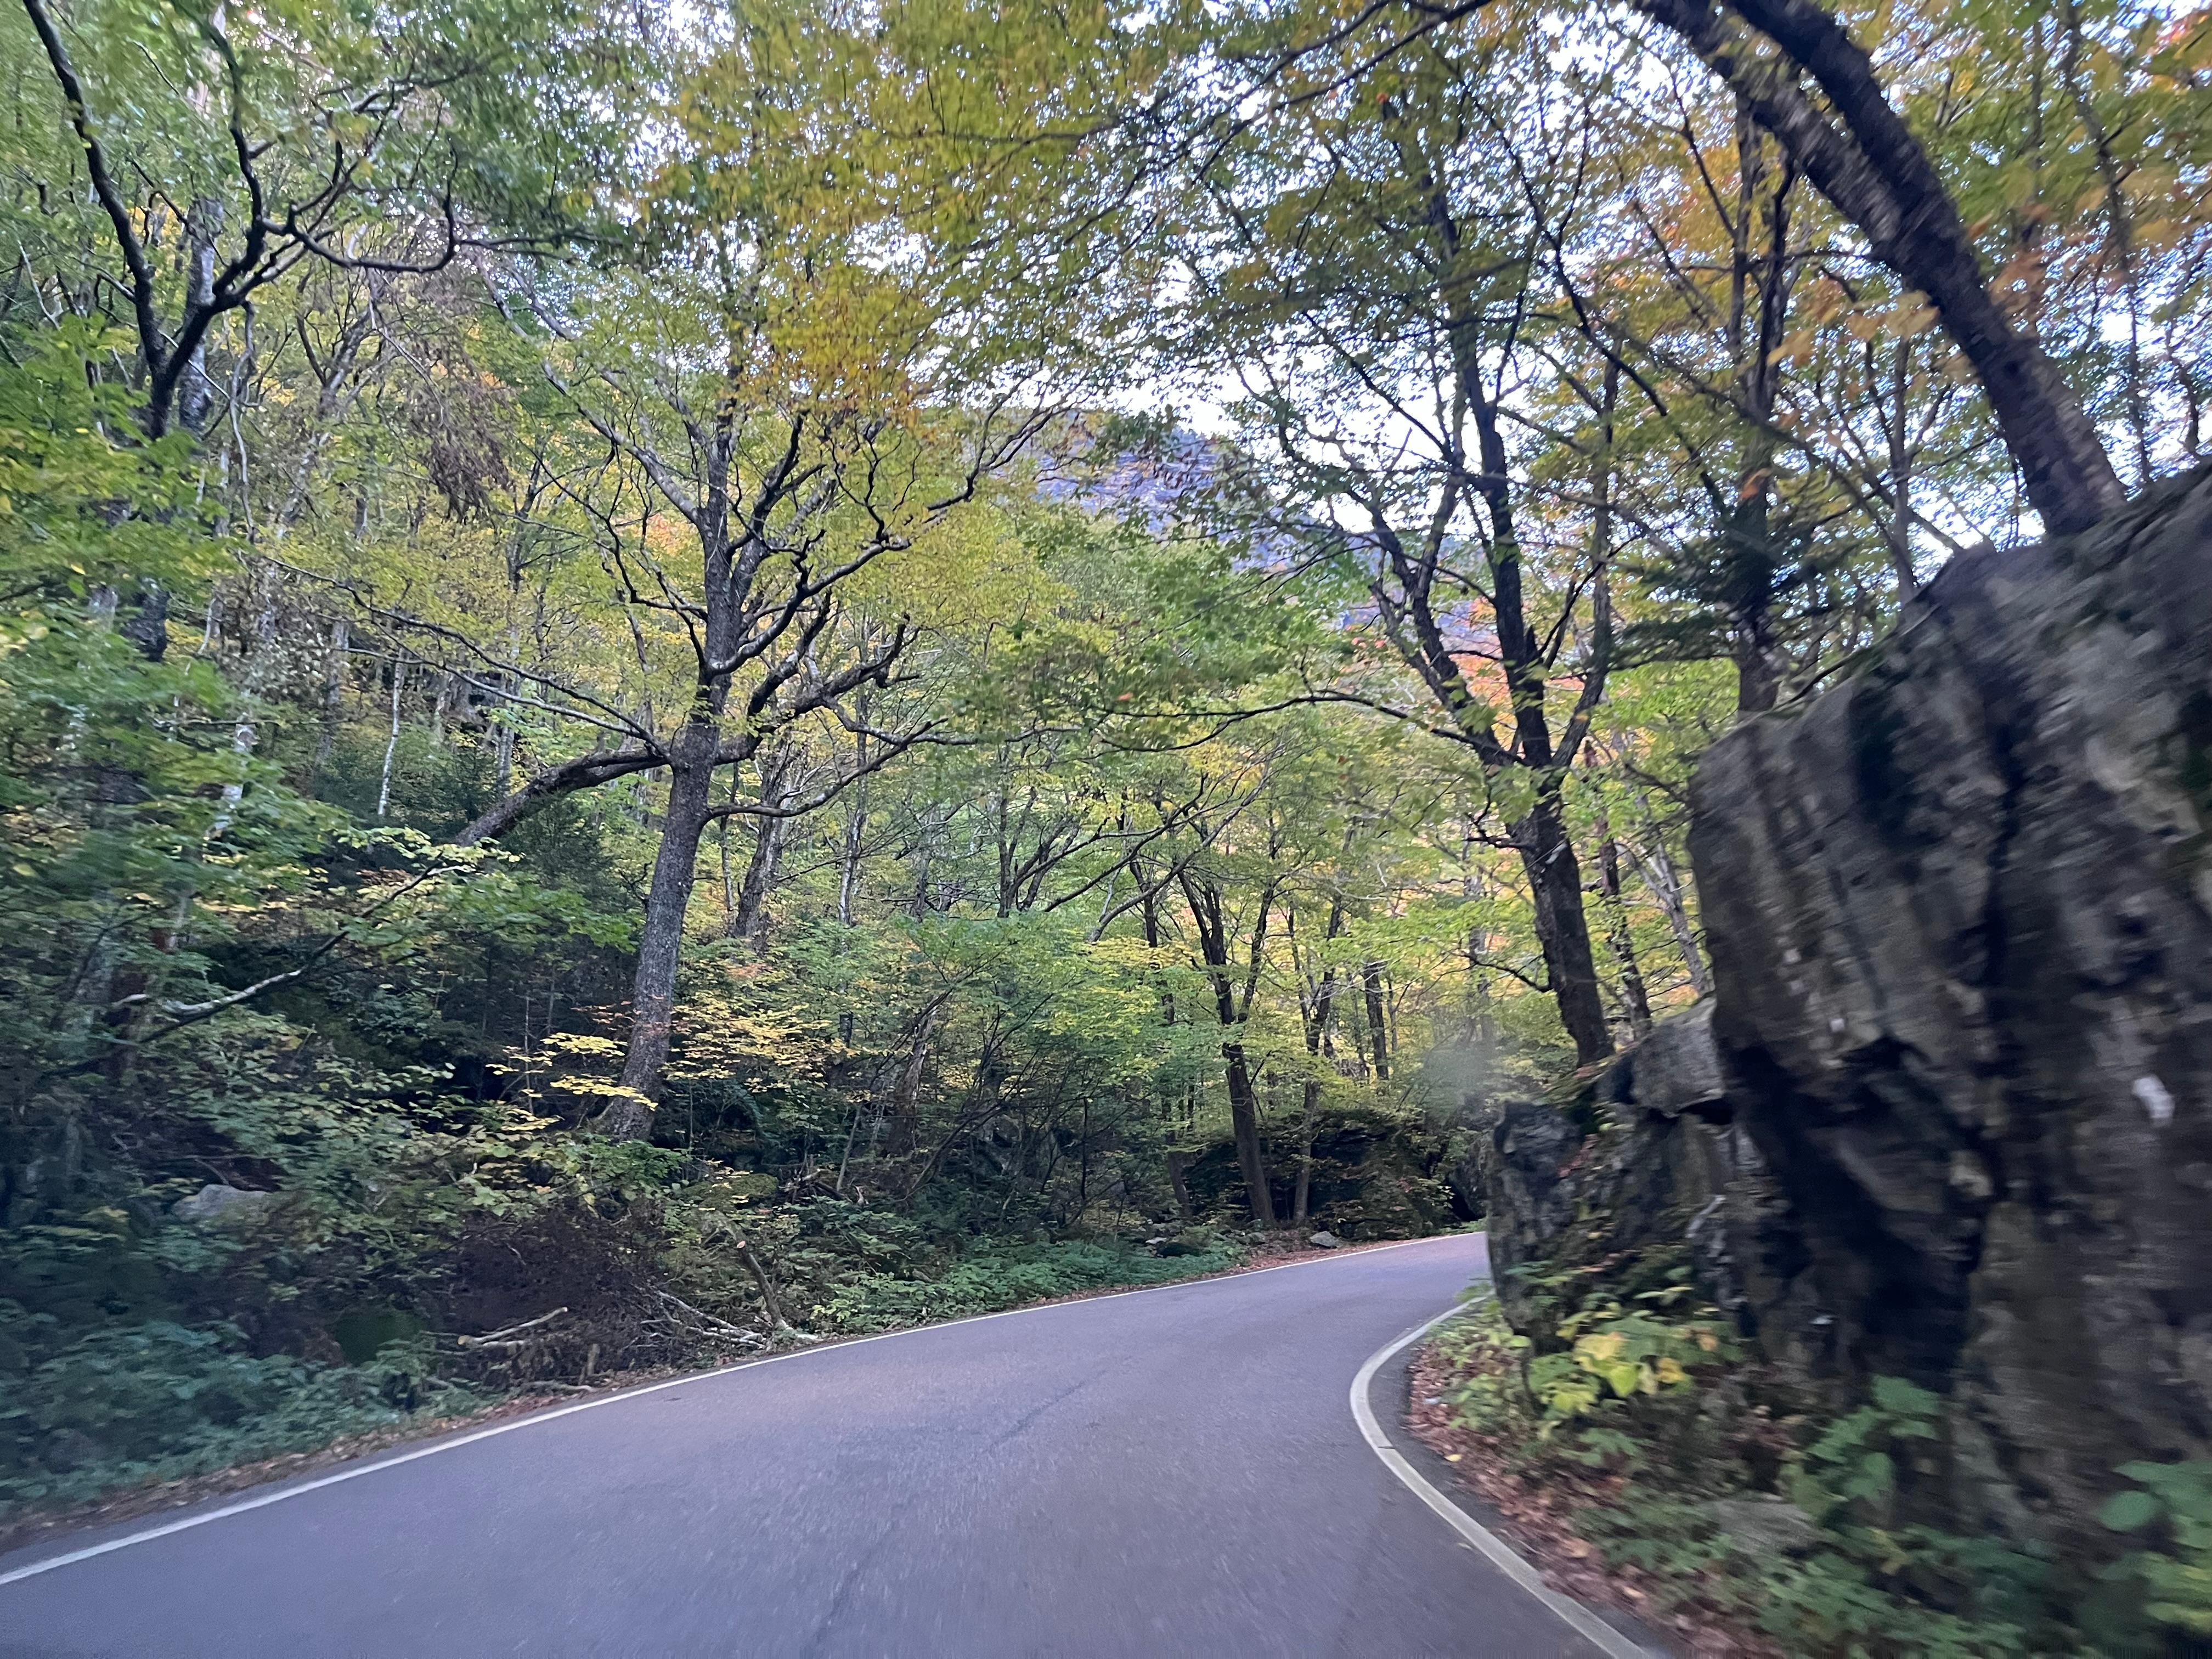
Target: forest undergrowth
x=1647 y=1466
x=194 y=1370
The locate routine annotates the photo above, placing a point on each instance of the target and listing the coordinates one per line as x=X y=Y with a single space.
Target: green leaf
x=2126 y=1511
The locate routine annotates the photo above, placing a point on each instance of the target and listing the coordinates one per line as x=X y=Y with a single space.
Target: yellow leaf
x=1604 y=1348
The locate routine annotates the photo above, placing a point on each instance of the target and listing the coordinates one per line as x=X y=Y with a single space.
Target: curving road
x=1172 y=1472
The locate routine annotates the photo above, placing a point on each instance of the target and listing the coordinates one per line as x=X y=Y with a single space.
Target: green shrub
x=990 y=1278
x=1619 y=1352
x=159 y=1401
x=1873 y=1583
x=2176 y=1583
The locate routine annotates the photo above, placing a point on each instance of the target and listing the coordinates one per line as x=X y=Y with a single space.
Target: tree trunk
x=1481 y=1020
x=1879 y=177
x=1244 y=1123
x=1899 y=527
x=1208 y=917
x=729 y=877
x=1760 y=284
x=195 y=392
x=1300 y=1201
x=1378 y=1030
x=1320 y=1012
x=334 y=686
x=770 y=1300
x=1657 y=869
x=750 y=923
x=1178 y=1162
x=1633 y=994
x=1555 y=880
x=392 y=738
x=1758 y=687
x=659 y=947
x=906 y=1093
x=848 y=860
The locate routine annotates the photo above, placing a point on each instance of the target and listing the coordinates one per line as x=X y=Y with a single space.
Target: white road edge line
x=1499 y=1553
x=185 y=1523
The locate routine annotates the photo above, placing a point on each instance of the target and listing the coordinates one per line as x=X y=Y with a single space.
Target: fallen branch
x=712 y=1326
x=504 y=1339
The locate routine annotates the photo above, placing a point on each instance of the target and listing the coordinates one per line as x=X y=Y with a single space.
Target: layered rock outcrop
x=1959 y=909
x=1960 y=915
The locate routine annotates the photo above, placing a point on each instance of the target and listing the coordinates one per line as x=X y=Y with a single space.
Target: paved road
x=1175 y=1472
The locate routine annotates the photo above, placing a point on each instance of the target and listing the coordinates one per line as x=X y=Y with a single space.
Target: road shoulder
x=1381 y=1397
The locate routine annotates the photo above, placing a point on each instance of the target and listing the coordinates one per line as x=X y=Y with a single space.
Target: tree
x=1374 y=280
x=792 y=406
x=377 y=148
x=1861 y=155
x=1234 y=984
x=1856 y=149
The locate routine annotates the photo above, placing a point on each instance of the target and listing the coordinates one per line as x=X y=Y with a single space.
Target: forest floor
x=1538 y=1499
x=31 y=1524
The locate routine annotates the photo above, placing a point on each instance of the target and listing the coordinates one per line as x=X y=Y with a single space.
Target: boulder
x=1533 y=1199
x=1677 y=1068
x=1960 y=915
x=1323 y=1241
x=1646 y=1161
x=217 y=1202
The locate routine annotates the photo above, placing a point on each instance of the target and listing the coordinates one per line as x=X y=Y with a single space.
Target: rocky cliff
x=1959 y=909
x=1674 y=1178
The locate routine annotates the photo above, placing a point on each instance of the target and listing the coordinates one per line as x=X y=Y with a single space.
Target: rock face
x=1764 y=1526
x=1675 y=1177
x=1960 y=915
x=1373 y=1174
x=1948 y=1115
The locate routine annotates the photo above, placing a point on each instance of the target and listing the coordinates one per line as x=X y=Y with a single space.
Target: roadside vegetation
x=1648 y=1465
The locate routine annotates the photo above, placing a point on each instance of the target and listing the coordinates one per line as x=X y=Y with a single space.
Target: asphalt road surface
x=1172 y=1472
